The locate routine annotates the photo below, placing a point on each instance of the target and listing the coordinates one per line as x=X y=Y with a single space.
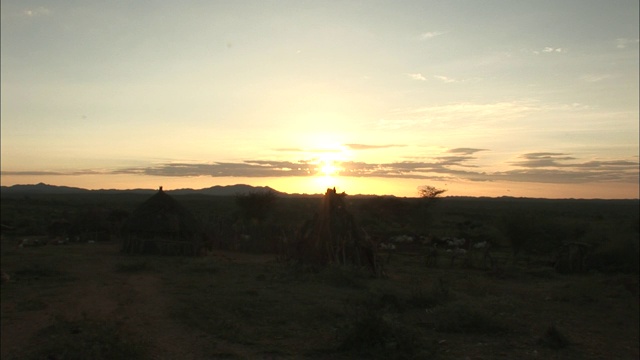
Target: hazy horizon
x=495 y=98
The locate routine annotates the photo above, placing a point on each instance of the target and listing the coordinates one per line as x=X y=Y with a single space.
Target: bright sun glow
x=327 y=168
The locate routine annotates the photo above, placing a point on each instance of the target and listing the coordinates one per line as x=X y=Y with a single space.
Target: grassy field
x=87 y=300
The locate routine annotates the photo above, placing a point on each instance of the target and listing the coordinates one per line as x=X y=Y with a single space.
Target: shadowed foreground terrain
x=88 y=300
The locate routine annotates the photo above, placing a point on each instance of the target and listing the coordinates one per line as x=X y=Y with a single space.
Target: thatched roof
x=161 y=216
x=333 y=237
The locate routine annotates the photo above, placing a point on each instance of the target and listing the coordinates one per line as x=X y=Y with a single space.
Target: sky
x=480 y=98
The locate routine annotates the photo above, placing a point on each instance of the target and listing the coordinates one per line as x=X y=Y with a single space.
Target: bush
x=38 y=272
x=439 y=294
x=554 y=339
x=619 y=255
x=460 y=318
x=372 y=336
x=84 y=340
x=344 y=277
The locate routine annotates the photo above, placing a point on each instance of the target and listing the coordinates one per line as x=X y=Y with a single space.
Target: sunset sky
x=482 y=98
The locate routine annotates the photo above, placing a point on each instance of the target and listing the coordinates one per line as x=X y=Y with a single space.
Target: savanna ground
x=90 y=301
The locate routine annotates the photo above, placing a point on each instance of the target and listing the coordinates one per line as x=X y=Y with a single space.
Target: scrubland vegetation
x=244 y=299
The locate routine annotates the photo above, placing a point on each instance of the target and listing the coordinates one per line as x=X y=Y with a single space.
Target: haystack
x=161 y=225
x=333 y=238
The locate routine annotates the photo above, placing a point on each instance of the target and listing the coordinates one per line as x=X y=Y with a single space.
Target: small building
x=161 y=225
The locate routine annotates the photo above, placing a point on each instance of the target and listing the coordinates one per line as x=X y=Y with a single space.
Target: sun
x=327 y=168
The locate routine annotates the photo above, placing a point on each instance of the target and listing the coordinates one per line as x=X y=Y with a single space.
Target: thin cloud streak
x=369 y=147
x=466 y=151
x=542 y=167
x=623 y=43
x=431 y=34
x=417 y=76
x=36 y=12
x=472 y=113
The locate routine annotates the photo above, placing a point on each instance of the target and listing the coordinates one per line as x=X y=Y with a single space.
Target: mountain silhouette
x=45 y=189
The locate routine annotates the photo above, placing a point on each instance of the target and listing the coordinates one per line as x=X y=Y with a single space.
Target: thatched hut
x=161 y=225
x=333 y=238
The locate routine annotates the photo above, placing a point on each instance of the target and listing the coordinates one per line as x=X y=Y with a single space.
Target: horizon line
x=161 y=187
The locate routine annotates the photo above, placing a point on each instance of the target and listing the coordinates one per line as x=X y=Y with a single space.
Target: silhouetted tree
x=430 y=192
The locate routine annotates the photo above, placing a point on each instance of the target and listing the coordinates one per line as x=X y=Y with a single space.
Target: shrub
x=554 y=339
x=373 y=336
x=460 y=318
x=344 y=277
x=619 y=255
x=38 y=271
x=439 y=294
x=84 y=339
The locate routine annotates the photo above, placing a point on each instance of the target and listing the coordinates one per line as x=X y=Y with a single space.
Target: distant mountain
x=41 y=189
x=225 y=190
x=45 y=189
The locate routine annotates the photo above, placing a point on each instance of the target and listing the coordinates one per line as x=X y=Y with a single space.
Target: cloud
x=458 y=112
x=431 y=34
x=249 y=168
x=445 y=79
x=594 y=77
x=542 y=159
x=301 y=150
x=417 y=76
x=36 y=12
x=34 y=173
x=549 y=50
x=455 y=164
x=465 y=151
x=623 y=43
x=548 y=167
x=369 y=147
x=288 y=149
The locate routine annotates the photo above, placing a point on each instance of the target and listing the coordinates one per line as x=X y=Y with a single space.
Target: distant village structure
x=161 y=225
x=333 y=238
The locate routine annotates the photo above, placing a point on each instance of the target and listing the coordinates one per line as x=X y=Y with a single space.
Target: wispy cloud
x=548 y=167
x=594 y=77
x=456 y=163
x=288 y=149
x=542 y=159
x=369 y=147
x=552 y=50
x=431 y=34
x=417 y=76
x=445 y=79
x=623 y=43
x=249 y=168
x=466 y=112
x=301 y=150
x=465 y=151
x=36 y=12
x=549 y=50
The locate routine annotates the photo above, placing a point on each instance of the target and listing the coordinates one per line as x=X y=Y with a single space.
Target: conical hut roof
x=162 y=216
x=333 y=237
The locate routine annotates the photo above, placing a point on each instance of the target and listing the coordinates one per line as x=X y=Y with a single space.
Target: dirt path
x=99 y=293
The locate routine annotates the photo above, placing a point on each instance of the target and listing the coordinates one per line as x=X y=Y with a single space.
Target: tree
x=430 y=192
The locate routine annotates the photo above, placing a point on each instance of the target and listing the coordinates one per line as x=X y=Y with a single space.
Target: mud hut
x=161 y=225
x=333 y=238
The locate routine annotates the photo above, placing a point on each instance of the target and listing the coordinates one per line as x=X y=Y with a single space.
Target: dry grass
x=234 y=305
